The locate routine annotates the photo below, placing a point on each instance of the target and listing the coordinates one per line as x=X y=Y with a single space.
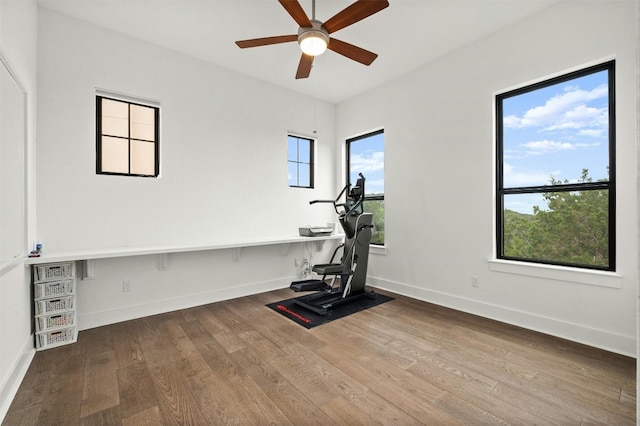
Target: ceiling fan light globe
x=312 y=44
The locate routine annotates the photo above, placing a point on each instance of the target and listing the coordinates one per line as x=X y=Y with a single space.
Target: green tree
x=377 y=208
x=516 y=234
x=574 y=229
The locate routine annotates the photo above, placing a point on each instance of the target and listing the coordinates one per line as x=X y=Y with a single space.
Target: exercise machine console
x=352 y=269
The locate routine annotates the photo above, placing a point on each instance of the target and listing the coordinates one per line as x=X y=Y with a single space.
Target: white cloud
x=546 y=146
x=587 y=145
x=372 y=162
x=564 y=111
x=513 y=177
x=374 y=186
x=592 y=133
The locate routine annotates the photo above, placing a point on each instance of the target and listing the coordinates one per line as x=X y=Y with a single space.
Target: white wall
x=223 y=147
x=18 y=35
x=223 y=173
x=439 y=177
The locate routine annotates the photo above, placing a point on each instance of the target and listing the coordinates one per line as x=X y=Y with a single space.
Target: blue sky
x=555 y=131
x=367 y=157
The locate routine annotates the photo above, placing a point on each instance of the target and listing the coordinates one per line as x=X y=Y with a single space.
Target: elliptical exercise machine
x=352 y=269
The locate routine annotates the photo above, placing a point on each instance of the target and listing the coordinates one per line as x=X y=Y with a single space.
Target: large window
x=300 y=161
x=127 y=140
x=556 y=171
x=365 y=154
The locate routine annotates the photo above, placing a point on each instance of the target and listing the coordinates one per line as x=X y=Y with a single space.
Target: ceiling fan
x=313 y=35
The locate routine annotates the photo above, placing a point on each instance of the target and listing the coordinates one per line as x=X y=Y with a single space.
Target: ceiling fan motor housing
x=315 y=30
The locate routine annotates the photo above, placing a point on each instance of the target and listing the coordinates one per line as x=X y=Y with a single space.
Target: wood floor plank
x=241 y=403
x=149 y=417
x=214 y=355
x=383 y=412
x=136 y=390
x=341 y=383
x=230 y=341
x=96 y=341
x=299 y=409
x=469 y=413
x=577 y=369
x=233 y=322
x=107 y=417
x=100 y=384
x=592 y=404
x=126 y=344
x=447 y=374
x=360 y=342
x=23 y=417
x=342 y=411
x=183 y=354
x=305 y=379
x=64 y=396
x=258 y=406
x=177 y=404
x=404 y=362
x=395 y=385
x=267 y=349
x=35 y=385
x=534 y=401
x=258 y=369
x=217 y=407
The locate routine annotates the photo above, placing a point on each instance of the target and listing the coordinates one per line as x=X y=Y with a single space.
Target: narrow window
x=300 y=161
x=556 y=171
x=365 y=154
x=127 y=140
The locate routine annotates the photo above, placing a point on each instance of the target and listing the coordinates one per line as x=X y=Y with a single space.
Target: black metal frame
x=610 y=185
x=298 y=162
x=348 y=180
x=99 y=135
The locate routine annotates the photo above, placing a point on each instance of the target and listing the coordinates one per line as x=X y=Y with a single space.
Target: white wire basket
x=53 y=271
x=46 y=306
x=54 y=288
x=53 y=321
x=51 y=339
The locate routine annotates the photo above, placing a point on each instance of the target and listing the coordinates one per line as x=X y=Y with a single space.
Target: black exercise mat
x=310 y=319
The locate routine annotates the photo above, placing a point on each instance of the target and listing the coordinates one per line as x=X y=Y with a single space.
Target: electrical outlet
x=474 y=282
x=126 y=286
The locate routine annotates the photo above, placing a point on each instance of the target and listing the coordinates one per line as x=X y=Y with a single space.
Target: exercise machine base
x=323 y=301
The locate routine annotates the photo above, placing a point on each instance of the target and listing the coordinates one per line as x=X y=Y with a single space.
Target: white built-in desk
x=235 y=246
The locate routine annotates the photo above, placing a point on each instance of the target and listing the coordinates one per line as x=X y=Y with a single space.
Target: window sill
x=559 y=273
x=375 y=249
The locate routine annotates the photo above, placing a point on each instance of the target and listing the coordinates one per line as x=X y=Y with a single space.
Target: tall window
x=300 y=161
x=365 y=154
x=556 y=171
x=127 y=140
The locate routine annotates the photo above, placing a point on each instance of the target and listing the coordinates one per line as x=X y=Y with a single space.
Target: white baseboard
x=154 y=307
x=603 y=339
x=10 y=385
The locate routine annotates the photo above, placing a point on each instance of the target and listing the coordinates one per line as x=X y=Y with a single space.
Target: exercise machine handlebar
x=356 y=194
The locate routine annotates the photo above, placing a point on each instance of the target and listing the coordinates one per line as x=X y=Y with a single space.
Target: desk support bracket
x=235 y=254
x=164 y=262
x=87 y=271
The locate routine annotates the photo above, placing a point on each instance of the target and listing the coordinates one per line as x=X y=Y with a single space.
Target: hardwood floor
x=404 y=362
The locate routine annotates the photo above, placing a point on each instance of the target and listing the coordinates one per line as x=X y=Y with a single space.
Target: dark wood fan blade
x=254 y=42
x=296 y=11
x=354 y=13
x=304 y=67
x=356 y=53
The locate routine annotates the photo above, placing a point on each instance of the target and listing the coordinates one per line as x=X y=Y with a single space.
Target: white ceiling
x=407 y=34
